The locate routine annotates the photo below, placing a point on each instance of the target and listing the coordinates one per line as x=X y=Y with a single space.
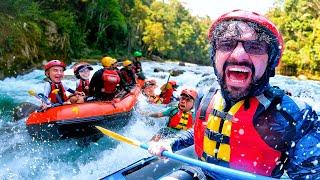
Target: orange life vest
x=111 y=80
x=61 y=93
x=181 y=120
x=230 y=138
x=81 y=86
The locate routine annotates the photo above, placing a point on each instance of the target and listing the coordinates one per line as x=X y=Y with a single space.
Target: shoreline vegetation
x=35 y=31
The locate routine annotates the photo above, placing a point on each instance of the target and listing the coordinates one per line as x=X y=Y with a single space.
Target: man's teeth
x=237 y=81
x=239 y=70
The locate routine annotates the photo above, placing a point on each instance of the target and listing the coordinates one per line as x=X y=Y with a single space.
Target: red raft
x=78 y=120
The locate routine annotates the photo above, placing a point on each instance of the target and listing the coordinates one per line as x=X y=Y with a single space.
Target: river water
x=22 y=157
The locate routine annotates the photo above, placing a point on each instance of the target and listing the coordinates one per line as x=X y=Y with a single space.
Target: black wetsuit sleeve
x=95 y=80
x=140 y=66
x=182 y=140
x=123 y=84
x=304 y=154
x=71 y=91
x=133 y=77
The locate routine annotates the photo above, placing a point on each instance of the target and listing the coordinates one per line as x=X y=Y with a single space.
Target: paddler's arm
x=133 y=76
x=167 y=112
x=47 y=89
x=73 y=92
x=304 y=154
x=156 y=115
x=46 y=92
x=94 y=82
x=67 y=88
x=123 y=84
x=182 y=140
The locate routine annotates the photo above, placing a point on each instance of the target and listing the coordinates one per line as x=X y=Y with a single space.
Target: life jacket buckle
x=222 y=115
x=218 y=137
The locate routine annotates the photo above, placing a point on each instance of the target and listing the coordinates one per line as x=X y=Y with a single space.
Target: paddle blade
x=55 y=91
x=118 y=136
x=32 y=92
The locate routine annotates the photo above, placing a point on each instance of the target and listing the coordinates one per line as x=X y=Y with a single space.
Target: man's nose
x=239 y=53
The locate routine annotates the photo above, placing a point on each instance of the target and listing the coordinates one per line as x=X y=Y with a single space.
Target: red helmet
x=190 y=92
x=173 y=84
x=54 y=63
x=252 y=17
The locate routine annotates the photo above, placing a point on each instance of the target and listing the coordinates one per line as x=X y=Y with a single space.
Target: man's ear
x=47 y=73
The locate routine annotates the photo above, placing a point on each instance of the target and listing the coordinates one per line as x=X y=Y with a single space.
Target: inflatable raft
x=150 y=167
x=77 y=120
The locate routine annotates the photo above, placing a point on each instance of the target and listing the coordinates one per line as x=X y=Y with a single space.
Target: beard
x=237 y=93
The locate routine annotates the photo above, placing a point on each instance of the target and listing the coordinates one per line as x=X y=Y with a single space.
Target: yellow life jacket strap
x=218 y=130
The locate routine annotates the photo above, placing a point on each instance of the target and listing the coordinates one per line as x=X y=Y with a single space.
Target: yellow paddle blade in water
x=118 y=136
x=32 y=92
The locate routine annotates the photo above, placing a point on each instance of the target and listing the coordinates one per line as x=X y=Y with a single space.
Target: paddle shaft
x=44 y=98
x=231 y=173
x=168 y=80
x=166 y=87
x=40 y=97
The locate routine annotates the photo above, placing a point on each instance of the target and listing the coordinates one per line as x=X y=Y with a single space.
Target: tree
x=299 y=23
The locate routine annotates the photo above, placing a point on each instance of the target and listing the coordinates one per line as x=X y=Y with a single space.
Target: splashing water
x=22 y=157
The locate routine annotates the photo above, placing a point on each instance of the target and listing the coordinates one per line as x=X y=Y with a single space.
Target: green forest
x=33 y=31
x=299 y=23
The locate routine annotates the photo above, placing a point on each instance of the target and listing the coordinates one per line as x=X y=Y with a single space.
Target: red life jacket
x=230 y=138
x=181 y=120
x=126 y=77
x=166 y=96
x=81 y=86
x=61 y=92
x=110 y=79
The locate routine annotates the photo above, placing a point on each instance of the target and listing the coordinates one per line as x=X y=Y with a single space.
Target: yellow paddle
x=56 y=91
x=118 y=136
x=41 y=97
x=32 y=92
x=231 y=173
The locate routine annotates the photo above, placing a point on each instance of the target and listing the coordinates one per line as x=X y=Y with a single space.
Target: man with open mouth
x=247 y=124
x=180 y=116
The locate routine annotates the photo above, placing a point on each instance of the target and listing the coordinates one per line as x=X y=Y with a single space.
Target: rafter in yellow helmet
x=108 y=61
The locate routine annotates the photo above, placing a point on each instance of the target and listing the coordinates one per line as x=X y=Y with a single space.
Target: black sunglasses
x=250 y=46
x=185 y=97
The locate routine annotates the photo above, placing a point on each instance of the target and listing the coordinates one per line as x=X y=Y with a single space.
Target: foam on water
x=21 y=157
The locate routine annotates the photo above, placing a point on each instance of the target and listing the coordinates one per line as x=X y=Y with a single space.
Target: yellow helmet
x=108 y=61
x=127 y=63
